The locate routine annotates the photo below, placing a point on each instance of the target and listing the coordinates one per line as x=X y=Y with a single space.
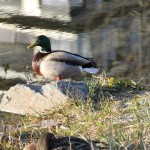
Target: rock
x=35 y=98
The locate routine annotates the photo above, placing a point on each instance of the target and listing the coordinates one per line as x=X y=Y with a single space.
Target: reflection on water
x=19 y=60
x=16 y=55
x=59 y=9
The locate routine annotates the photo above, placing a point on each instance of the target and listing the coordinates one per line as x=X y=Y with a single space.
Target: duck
x=48 y=141
x=59 y=64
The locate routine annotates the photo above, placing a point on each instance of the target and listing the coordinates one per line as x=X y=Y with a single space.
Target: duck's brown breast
x=38 y=57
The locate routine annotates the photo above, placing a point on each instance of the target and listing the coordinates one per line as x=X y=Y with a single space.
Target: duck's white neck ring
x=43 y=52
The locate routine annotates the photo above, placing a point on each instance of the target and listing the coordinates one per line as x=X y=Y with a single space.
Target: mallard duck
x=49 y=142
x=59 y=64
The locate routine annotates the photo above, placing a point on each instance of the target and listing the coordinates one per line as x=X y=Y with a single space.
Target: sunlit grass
x=117 y=123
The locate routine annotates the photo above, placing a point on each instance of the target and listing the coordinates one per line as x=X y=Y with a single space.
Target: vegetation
x=120 y=124
x=5 y=67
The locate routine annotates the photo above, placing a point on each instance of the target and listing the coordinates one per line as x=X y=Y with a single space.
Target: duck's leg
x=57 y=80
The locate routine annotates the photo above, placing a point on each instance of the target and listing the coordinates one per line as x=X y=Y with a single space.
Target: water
x=16 y=55
x=19 y=60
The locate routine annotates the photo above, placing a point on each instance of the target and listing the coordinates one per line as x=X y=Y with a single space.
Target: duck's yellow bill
x=31 y=45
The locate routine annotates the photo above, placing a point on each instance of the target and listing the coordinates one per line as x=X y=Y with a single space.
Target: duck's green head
x=42 y=41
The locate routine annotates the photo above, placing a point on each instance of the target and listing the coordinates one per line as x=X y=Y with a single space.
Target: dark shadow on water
x=5 y=84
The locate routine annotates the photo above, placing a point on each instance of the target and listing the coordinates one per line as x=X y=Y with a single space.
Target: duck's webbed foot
x=57 y=80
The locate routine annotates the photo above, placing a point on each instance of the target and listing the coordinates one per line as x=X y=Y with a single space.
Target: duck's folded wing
x=67 y=57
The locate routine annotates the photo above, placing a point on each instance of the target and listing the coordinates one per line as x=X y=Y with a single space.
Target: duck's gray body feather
x=67 y=57
x=59 y=64
x=63 y=64
x=53 y=69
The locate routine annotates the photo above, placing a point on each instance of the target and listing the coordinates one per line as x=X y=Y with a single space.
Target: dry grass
x=119 y=124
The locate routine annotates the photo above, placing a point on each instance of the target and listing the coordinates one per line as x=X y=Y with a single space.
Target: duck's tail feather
x=91 y=70
x=90 y=64
x=90 y=67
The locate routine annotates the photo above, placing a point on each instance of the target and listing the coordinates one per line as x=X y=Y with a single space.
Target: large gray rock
x=35 y=98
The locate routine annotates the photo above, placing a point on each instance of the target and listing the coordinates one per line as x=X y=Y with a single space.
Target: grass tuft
x=120 y=124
